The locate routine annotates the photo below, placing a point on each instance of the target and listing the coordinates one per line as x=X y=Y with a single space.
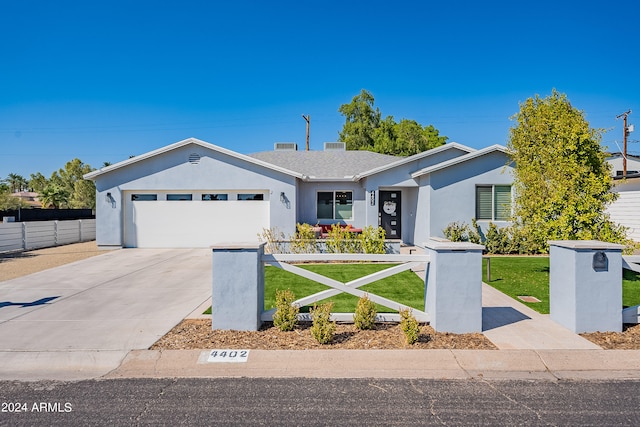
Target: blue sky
x=102 y=81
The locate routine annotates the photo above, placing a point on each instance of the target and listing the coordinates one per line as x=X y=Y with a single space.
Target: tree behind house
x=364 y=130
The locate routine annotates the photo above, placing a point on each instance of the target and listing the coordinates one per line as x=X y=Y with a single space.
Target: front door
x=389 y=213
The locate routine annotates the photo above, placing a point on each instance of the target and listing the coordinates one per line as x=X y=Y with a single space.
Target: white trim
x=409 y=159
x=461 y=159
x=185 y=142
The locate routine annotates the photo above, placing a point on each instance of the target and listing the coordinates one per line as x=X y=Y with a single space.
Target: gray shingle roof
x=326 y=164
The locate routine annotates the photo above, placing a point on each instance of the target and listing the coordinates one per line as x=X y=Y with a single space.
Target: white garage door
x=193 y=219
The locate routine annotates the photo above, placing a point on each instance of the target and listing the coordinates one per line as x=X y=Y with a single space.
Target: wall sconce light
x=111 y=200
x=283 y=198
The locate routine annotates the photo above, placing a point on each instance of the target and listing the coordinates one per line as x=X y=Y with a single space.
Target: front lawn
x=406 y=287
x=529 y=276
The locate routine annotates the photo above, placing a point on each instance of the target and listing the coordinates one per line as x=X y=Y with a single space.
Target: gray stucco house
x=196 y=194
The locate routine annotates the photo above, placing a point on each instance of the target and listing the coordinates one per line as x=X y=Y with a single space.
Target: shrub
x=322 y=328
x=304 y=239
x=365 y=314
x=409 y=326
x=274 y=239
x=372 y=240
x=475 y=235
x=341 y=240
x=457 y=232
x=286 y=316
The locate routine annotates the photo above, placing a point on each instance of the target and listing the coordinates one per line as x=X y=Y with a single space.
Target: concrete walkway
x=89 y=314
x=511 y=325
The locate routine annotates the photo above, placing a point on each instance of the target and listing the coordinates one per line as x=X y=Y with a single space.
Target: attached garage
x=193 y=218
x=191 y=194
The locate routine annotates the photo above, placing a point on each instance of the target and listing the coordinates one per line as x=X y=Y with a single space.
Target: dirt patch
x=197 y=334
x=628 y=339
x=18 y=264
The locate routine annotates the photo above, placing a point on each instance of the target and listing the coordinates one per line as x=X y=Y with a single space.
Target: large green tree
x=37 y=182
x=562 y=183
x=361 y=121
x=364 y=130
x=80 y=192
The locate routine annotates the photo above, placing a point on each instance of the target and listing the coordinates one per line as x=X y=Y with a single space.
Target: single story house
x=626 y=209
x=616 y=160
x=196 y=194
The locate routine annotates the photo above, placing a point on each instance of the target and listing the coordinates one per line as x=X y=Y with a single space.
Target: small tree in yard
x=365 y=314
x=562 y=183
x=410 y=326
x=286 y=316
x=322 y=328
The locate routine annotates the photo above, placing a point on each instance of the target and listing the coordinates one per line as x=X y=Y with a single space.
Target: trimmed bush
x=304 y=240
x=372 y=240
x=322 y=328
x=409 y=326
x=286 y=316
x=340 y=240
x=365 y=314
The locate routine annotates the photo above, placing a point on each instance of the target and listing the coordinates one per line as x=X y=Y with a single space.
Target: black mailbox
x=600 y=261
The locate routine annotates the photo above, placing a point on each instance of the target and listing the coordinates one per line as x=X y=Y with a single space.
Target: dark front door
x=389 y=213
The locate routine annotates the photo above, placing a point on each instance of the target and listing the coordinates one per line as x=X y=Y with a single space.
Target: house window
x=144 y=197
x=335 y=205
x=246 y=196
x=493 y=202
x=212 y=197
x=173 y=197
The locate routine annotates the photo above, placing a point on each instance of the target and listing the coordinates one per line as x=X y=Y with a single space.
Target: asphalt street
x=312 y=402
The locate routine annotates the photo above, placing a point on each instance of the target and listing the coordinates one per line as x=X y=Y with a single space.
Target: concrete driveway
x=89 y=314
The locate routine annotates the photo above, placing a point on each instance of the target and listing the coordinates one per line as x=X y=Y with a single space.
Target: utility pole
x=307 y=118
x=625 y=133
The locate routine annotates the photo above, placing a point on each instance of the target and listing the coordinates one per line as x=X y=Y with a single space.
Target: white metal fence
x=41 y=234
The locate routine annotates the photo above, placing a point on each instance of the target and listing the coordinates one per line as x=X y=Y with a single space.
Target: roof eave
x=461 y=159
x=409 y=159
x=184 y=142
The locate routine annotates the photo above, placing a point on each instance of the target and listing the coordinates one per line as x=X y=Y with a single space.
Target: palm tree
x=16 y=182
x=53 y=196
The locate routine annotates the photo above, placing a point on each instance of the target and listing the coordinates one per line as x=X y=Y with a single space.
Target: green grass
x=516 y=276
x=513 y=276
x=406 y=287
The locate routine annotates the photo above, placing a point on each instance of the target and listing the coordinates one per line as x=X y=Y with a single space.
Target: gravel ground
x=197 y=333
x=18 y=264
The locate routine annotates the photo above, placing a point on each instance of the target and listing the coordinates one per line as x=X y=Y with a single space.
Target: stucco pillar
x=585 y=285
x=237 y=286
x=453 y=295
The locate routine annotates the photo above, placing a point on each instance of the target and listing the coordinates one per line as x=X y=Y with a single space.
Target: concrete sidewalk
x=433 y=364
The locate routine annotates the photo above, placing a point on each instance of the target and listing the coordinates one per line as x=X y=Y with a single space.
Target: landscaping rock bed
x=197 y=334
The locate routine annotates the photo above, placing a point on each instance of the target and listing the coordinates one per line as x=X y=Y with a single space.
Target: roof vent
x=335 y=146
x=194 y=158
x=285 y=146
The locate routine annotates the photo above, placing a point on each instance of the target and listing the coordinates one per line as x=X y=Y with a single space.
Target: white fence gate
x=404 y=263
x=453 y=288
